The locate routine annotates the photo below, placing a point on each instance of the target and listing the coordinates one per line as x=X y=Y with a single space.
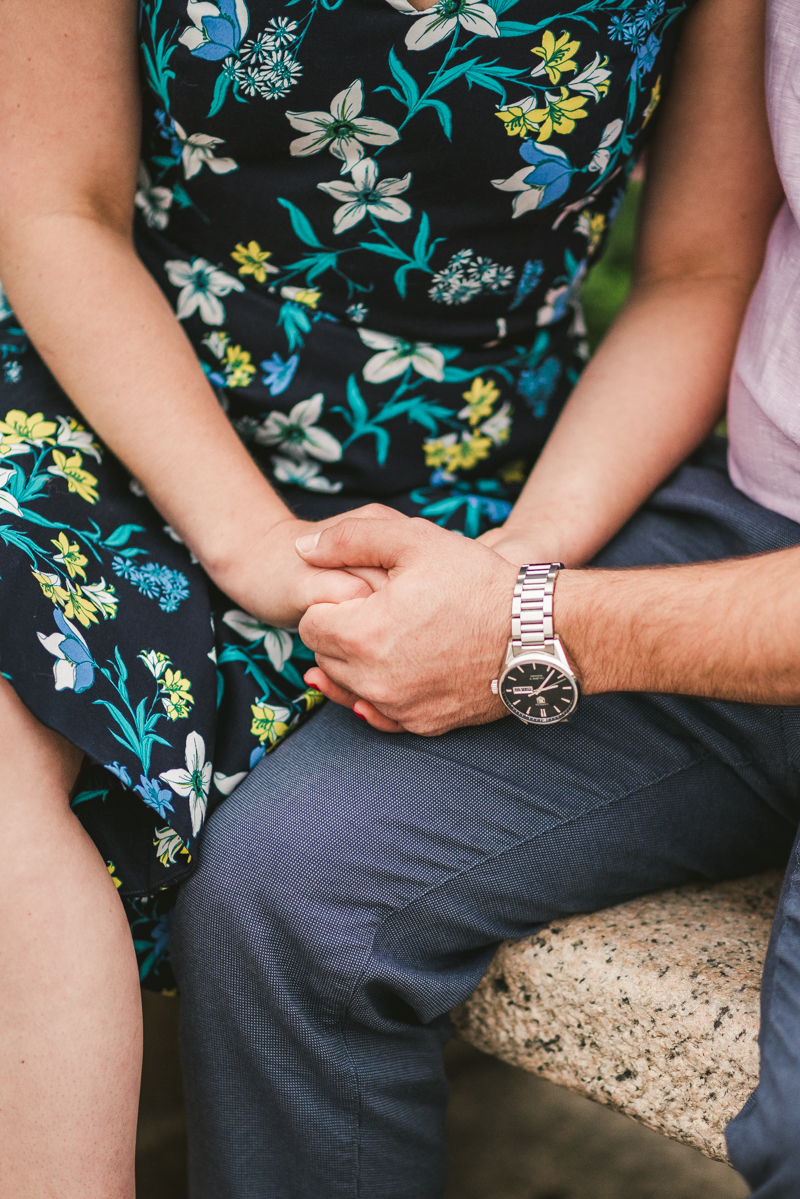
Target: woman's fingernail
x=308 y=543
x=358 y=714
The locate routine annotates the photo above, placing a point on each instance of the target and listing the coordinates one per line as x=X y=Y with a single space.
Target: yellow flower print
x=112 y=870
x=70 y=556
x=451 y=454
x=652 y=103
x=239 y=365
x=521 y=120
x=253 y=261
x=78 y=480
x=51 y=587
x=269 y=724
x=302 y=295
x=560 y=115
x=480 y=398
x=556 y=56
x=592 y=226
x=79 y=607
x=168 y=845
x=313 y=699
x=513 y=472
x=176 y=694
x=18 y=427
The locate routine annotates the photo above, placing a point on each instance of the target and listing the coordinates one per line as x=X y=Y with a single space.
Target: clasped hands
x=424 y=627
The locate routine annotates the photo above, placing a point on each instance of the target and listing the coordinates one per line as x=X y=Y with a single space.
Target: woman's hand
x=277 y=586
x=518 y=545
x=422 y=650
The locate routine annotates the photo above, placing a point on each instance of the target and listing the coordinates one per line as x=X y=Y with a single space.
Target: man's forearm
x=726 y=630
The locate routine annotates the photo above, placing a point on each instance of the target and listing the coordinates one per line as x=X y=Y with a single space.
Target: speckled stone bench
x=650 y=1007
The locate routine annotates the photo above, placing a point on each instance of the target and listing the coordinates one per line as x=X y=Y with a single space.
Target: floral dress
x=373 y=223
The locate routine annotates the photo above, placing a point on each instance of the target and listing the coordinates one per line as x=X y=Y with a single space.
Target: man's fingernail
x=358 y=714
x=308 y=543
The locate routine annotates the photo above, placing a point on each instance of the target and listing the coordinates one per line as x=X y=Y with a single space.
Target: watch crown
x=495 y=687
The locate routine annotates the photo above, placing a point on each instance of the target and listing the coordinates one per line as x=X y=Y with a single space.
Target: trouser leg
x=352 y=893
x=764 y=1139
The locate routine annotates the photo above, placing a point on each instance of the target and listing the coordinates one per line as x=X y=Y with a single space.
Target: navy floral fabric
x=373 y=224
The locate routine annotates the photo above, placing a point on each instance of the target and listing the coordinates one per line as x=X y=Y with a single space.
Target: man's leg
x=764 y=1139
x=354 y=891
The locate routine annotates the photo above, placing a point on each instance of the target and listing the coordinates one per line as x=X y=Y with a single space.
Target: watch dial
x=538 y=692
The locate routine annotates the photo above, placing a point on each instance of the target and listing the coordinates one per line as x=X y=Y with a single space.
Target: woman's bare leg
x=70 y=1010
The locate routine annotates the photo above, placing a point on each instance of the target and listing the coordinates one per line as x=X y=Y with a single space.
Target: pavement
x=512 y=1135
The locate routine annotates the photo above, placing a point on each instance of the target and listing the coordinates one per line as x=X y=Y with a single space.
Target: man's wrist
x=572 y=620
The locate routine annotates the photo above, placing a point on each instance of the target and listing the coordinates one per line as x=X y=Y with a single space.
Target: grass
x=608 y=281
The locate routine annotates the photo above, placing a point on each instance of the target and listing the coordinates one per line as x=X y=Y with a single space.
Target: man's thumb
x=360 y=542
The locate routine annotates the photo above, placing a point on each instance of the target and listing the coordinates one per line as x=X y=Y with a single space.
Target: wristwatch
x=537 y=683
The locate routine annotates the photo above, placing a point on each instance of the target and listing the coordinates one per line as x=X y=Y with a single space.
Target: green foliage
x=607 y=283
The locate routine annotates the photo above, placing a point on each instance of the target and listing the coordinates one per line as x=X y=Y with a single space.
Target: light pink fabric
x=764 y=396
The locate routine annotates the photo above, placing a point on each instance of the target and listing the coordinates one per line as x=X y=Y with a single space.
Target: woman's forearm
x=655 y=388
x=106 y=331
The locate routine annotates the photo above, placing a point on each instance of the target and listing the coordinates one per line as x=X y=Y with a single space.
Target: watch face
x=538 y=692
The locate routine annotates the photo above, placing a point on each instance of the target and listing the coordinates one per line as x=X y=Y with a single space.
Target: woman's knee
x=38 y=767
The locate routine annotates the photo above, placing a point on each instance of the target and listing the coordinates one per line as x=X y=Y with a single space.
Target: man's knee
x=274 y=891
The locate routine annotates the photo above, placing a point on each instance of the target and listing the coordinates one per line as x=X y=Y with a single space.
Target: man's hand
x=422 y=649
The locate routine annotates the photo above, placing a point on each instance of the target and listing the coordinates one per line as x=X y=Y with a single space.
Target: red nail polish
x=360 y=717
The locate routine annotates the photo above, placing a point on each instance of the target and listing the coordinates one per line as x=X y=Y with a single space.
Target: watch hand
x=544 y=683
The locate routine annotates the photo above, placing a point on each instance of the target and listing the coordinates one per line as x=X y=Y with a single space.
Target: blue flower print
x=537 y=384
x=119 y=770
x=543 y=185
x=279 y=374
x=169 y=587
x=156 y=797
x=217 y=30
x=73 y=669
x=646 y=57
x=528 y=282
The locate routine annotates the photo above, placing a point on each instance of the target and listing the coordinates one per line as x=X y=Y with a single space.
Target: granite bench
x=651 y=1007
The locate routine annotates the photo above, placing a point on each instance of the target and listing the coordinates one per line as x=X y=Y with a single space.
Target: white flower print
x=282 y=31
x=302 y=474
x=226 y=784
x=104 y=596
x=72 y=434
x=198 y=151
x=277 y=642
x=7 y=501
x=201 y=284
x=498 y=427
x=367 y=194
x=465 y=277
x=592 y=79
x=342 y=129
x=193 y=782
x=155 y=202
x=395 y=355
x=298 y=433
x=280 y=69
x=195 y=34
x=155 y=662
x=602 y=155
x=437 y=22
